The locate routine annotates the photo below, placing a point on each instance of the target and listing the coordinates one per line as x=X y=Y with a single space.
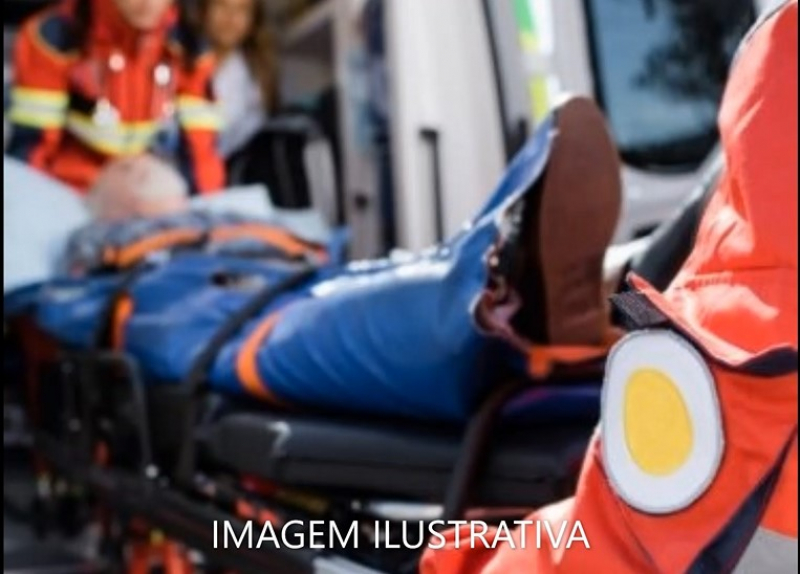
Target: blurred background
x=418 y=105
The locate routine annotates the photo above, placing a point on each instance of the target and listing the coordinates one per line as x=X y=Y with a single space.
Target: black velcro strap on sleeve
x=635 y=311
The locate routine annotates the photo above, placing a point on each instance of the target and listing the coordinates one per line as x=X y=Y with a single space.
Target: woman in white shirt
x=246 y=79
x=246 y=87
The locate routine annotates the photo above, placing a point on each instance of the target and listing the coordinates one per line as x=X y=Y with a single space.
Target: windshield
x=660 y=68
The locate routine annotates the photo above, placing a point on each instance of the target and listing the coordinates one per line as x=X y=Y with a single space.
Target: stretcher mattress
x=535 y=457
x=530 y=466
x=390 y=337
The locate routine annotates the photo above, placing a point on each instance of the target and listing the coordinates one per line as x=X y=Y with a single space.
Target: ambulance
x=423 y=103
x=463 y=83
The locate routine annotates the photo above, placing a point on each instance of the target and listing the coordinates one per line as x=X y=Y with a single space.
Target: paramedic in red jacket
x=97 y=80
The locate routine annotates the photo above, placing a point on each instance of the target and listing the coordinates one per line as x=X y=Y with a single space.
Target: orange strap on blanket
x=129 y=255
x=543 y=360
x=269 y=235
x=281 y=239
x=247 y=361
x=122 y=314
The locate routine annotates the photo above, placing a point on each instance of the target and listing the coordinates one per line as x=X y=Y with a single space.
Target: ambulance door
x=656 y=67
x=447 y=136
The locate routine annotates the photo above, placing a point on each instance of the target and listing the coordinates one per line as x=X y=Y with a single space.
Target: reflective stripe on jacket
x=75 y=107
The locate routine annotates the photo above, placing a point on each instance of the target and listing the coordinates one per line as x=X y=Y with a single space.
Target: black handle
x=194 y=383
x=432 y=137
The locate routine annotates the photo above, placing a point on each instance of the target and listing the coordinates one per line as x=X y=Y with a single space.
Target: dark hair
x=258 y=49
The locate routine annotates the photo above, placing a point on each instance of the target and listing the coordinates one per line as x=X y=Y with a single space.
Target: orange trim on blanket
x=247 y=361
x=132 y=254
x=543 y=360
x=280 y=238
x=122 y=314
x=129 y=255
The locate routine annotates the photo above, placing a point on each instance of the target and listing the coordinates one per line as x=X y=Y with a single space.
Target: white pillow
x=249 y=200
x=254 y=201
x=39 y=215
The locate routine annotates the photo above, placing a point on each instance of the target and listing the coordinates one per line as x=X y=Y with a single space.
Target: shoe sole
x=579 y=210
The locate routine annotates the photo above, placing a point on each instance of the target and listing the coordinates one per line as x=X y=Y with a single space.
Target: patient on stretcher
x=422 y=336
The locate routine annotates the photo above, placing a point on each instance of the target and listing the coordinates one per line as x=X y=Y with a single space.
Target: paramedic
x=245 y=81
x=96 y=80
x=695 y=465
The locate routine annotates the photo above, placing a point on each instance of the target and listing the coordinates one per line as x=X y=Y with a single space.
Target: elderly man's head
x=142 y=186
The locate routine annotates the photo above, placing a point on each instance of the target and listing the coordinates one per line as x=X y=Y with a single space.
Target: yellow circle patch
x=661 y=423
x=658 y=427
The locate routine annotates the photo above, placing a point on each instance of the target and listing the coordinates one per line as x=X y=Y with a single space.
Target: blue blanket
x=394 y=337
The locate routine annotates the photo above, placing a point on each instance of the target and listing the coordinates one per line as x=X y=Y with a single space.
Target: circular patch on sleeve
x=661 y=423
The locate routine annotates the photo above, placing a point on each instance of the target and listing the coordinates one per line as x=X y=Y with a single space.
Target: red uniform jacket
x=695 y=466
x=79 y=100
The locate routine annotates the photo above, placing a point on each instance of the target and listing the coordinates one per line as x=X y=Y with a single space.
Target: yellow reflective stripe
x=539 y=94
x=528 y=41
x=210 y=123
x=194 y=102
x=118 y=139
x=198 y=113
x=537 y=85
x=54 y=99
x=36 y=118
x=41 y=109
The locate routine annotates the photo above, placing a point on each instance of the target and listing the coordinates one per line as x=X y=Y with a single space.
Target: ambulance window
x=660 y=68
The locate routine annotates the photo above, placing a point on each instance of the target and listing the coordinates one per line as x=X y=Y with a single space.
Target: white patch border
x=643 y=492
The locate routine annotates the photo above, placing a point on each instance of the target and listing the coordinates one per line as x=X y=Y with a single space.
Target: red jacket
x=695 y=466
x=74 y=107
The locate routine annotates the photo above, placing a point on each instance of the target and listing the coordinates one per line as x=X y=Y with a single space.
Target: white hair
x=141 y=185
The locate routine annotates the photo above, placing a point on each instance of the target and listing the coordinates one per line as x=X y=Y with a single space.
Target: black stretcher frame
x=183 y=510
